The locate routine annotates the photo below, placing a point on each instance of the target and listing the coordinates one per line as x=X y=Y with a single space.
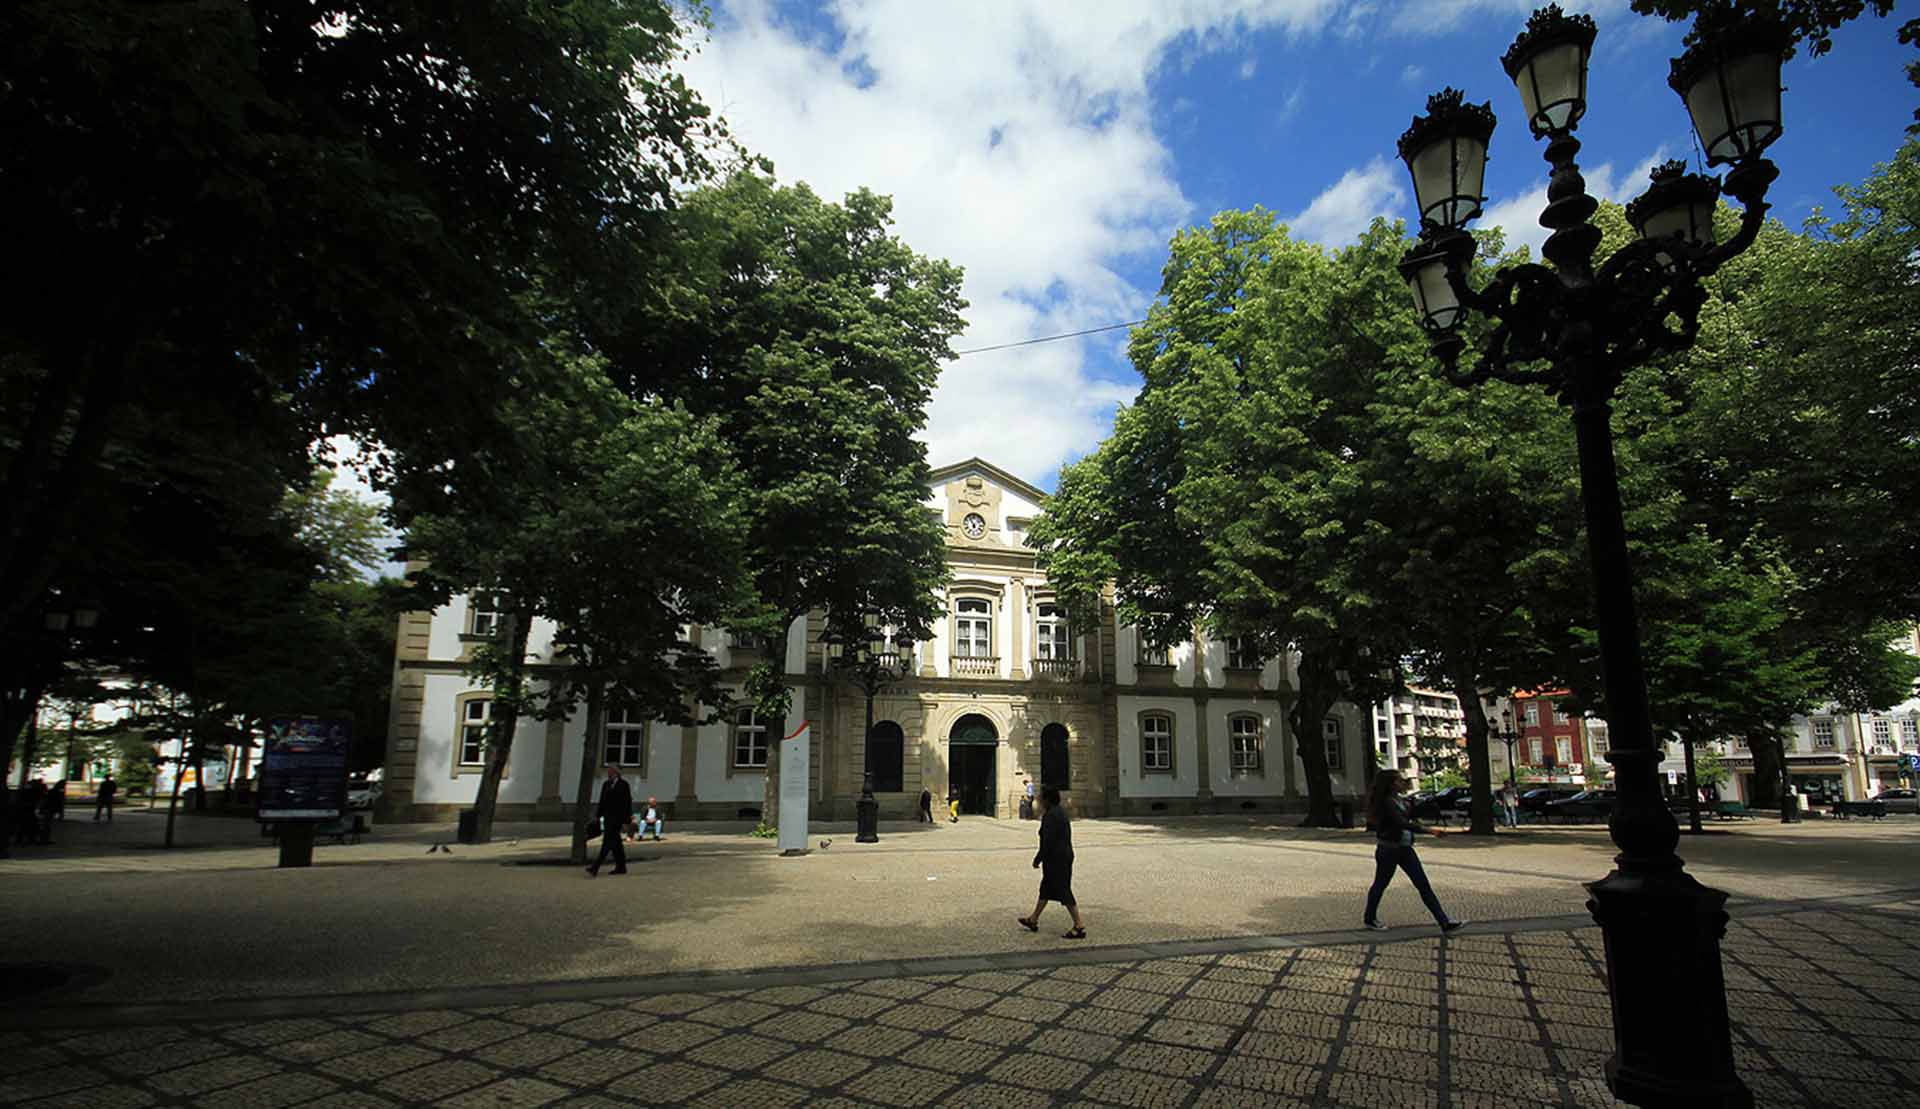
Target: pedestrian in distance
x=926 y=807
x=1393 y=830
x=103 y=798
x=59 y=798
x=953 y=803
x=651 y=819
x=51 y=798
x=1510 y=805
x=615 y=810
x=1054 y=860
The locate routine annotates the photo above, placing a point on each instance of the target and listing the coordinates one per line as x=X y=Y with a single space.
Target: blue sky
x=1052 y=149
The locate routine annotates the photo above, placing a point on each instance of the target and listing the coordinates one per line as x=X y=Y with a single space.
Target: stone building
x=1011 y=688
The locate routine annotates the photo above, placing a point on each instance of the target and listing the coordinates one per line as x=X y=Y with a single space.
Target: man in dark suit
x=616 y=809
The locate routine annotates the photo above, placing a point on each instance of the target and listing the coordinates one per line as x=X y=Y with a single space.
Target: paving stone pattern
x=1825 y=1005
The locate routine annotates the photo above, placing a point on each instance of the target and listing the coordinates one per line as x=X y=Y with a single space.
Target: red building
x=1547 y=732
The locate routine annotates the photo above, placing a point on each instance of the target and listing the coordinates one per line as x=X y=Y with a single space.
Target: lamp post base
x=867 y=811
x=1672 y=1043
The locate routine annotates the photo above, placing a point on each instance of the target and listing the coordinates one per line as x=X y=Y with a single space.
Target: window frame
x=1909 y=731
x=1238 y=657
x=1157 y=655
x=489 y=603
x=462 y=722
x=1252 y=761
x=1333 y=739
x=897 y=735
x=1823 y=735
x=1146 y=766
x=1560 y=717
x=1563 y=750
x=752 y=724
x=1052 y=632
x=1533 y=714
x=967 y=620
x=627 y=729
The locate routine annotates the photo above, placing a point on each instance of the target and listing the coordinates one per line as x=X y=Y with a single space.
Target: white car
x=363 y=790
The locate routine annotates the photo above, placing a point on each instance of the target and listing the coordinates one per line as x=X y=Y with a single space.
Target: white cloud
x=1412 y=74
x=1016 y=140
x=1519 y=214
x=1429 y=17
x=1248 y=68
x=1338 y=215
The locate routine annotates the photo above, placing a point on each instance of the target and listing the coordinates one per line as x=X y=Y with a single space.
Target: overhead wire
x=1047 y=338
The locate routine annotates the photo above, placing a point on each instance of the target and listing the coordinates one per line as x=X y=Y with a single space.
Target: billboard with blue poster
x=303 y=773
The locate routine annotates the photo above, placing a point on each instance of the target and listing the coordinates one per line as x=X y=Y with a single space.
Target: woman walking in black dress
x=1055 y=863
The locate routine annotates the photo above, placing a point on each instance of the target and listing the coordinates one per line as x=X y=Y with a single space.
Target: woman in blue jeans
x=1393 y=831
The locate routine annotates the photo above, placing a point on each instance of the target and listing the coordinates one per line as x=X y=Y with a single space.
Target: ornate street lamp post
x=868 y=657
x=1510 y=737
x=1576 y=328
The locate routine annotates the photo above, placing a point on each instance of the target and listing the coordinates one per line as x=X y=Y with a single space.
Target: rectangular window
x=484 y=615
x=749 y=741
x=1882 y=733
x=1560 y=717
x=1155 y=654
x=1563 y=750
x=1539 y=754
x=1243 y=734
x=1053 y=638
x=1533 y=714
x=1823 y=734
x=973 y=628
x=1330 y=731
x=1909 y=732
x=1156 y=744
x=1381 y=728
x=1241 y=654
x=473 y=731
x=626 y=740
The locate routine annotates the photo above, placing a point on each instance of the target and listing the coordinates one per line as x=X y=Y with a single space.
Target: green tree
x=813 y=336
x=320 y=217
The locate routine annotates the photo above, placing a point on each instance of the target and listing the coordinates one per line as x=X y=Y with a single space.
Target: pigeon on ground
x=825 y=843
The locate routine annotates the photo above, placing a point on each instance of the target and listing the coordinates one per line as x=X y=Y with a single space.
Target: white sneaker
x=1375 y=925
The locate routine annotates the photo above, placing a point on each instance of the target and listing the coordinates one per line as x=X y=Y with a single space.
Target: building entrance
x=973 y=749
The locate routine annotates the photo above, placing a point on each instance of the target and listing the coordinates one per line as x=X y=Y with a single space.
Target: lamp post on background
x=868 y=657
x=1509 y=737
x=1576 y=328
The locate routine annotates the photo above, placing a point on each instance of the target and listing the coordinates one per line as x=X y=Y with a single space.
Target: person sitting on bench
x=651 y=819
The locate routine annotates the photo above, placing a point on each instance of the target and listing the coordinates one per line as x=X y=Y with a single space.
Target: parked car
x=1900 y=800
x=363 y=790
x=1587 y=804
x=1537 y=800
x=1454 y=797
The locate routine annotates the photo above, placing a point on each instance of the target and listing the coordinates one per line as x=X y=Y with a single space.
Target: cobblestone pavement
x=1825 y=1003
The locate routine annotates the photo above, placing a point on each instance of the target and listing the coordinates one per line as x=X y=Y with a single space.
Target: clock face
x=974 y=526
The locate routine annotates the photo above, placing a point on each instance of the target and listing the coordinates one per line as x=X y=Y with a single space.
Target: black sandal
x=1029 y=925
x=1076 y=934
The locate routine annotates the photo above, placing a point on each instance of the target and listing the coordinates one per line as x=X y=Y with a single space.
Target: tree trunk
x=506 y=717
x=1479 y=764
x=199 y=778
x=1318 y=694
x=173 y=802
x=1693 y=790
x=1767 y=764
x=583 y=794
x=16 y=715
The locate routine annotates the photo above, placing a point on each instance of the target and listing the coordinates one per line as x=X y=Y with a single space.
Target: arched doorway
x=889 y=747
x=1054 y=769
x=973 y=747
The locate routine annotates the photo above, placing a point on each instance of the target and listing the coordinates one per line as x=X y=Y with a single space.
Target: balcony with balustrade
x=974 y=666
x=1055 y=669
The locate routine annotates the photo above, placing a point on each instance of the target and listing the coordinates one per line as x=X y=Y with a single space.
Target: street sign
x=795 y=750
x=303 y=775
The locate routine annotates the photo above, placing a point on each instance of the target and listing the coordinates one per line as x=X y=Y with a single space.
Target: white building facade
x=1012 y=688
